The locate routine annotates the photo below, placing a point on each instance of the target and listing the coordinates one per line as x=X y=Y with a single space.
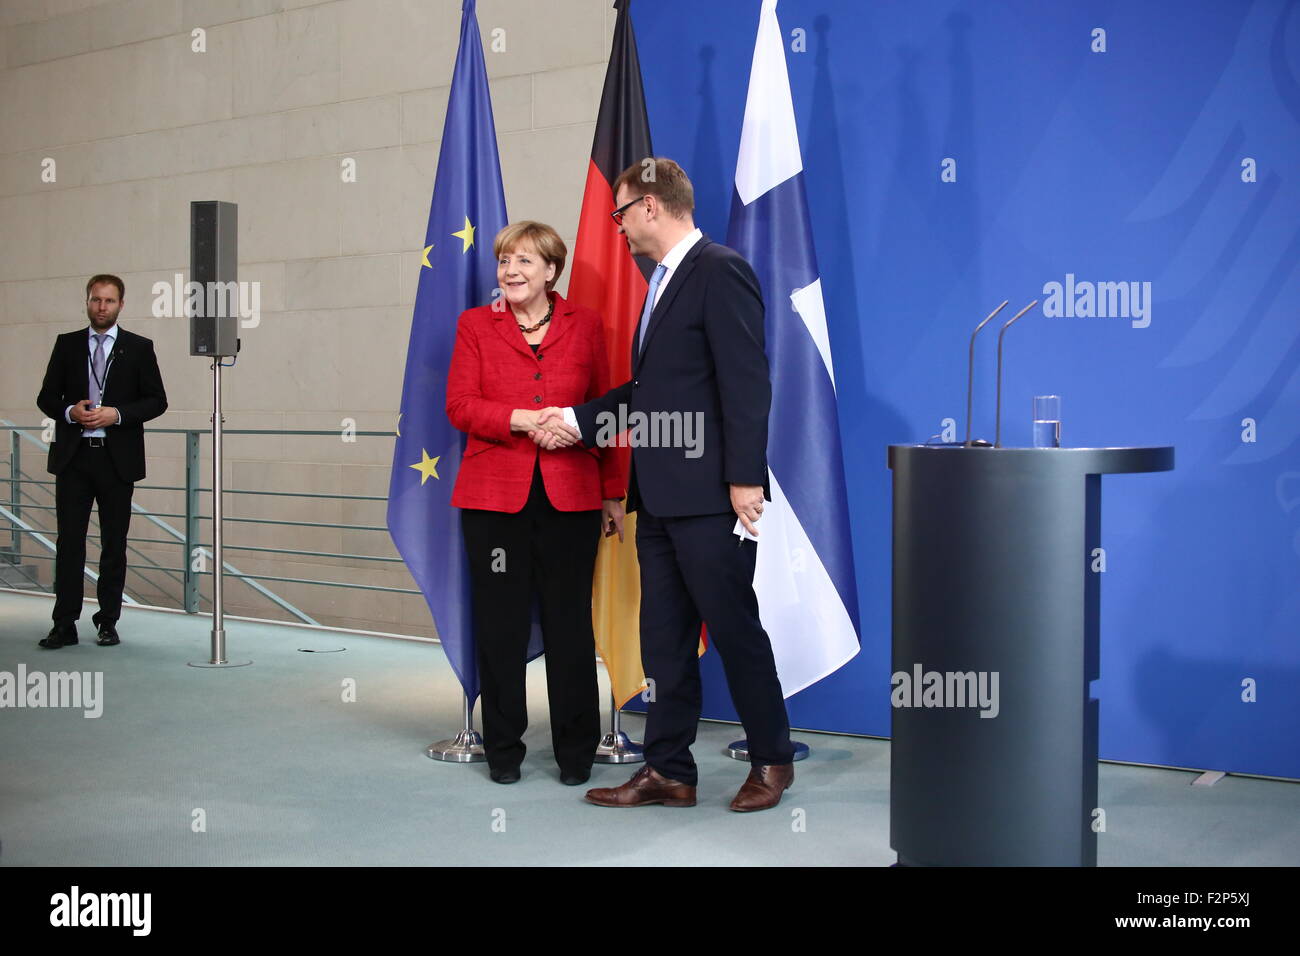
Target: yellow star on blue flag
x=426 y=466
x=466 y=235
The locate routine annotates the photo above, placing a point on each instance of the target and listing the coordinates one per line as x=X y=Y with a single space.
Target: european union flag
x=458 y=272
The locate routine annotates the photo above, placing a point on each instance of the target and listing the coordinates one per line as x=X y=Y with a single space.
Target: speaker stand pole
x=218 y=658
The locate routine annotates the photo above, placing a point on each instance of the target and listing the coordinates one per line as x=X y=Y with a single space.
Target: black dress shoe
x=505 y=775
x=108 y=635
x=58 y=637
x=571 y=778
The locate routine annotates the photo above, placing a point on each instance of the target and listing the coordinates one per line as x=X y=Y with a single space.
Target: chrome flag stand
x=465 y=747
x=615 y=747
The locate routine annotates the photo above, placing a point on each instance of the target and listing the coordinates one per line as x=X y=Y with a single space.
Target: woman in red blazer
x=532 y=519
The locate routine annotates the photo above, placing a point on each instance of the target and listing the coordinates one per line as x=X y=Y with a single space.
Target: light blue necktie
x=649 y=304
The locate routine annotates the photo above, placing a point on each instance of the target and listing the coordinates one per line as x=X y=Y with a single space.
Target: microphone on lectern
x=997 y=438
x=970 y=376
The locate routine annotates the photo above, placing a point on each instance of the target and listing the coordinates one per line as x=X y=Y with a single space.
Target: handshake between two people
x=546 y=427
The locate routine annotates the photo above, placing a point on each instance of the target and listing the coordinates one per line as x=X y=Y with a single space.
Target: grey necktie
x=97 y=369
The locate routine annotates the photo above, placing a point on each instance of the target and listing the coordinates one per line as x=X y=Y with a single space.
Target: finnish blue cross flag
x=458 y=272
x=807 y=595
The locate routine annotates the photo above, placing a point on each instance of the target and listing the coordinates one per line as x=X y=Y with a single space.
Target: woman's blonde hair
x=541 y=237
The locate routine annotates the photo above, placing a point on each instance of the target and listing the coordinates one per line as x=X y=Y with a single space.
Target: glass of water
x=1047 y=421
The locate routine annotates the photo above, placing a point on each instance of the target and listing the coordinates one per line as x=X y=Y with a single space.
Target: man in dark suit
x=698 y=351
x=101 y=386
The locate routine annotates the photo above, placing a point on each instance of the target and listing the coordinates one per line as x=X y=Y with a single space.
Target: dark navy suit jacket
x=703 y=353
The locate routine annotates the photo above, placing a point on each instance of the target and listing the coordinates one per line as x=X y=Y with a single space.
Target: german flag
x=607 y=278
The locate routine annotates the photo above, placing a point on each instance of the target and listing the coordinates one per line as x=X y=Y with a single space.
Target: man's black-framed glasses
x=617 y=214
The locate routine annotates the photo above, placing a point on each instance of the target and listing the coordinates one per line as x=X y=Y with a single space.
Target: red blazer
x=494 y=371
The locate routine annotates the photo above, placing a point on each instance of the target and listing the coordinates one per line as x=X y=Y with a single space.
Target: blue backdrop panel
x=960 y=153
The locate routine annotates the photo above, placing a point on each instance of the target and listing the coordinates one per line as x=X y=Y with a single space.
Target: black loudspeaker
x=212 y=300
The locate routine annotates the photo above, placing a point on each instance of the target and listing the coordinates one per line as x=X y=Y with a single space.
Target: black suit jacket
x=133 y=385
x=703 y=353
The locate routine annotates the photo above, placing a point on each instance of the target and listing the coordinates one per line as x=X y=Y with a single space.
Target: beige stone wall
x=138 y=125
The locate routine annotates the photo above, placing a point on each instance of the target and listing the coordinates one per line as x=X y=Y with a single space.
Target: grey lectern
x=995 y=641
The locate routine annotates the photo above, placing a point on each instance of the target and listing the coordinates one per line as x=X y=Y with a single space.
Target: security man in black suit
x=101 y=386
x=699 y=350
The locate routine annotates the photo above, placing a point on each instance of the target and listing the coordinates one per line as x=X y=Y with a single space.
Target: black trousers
x=87 y=479
x=551 y=555
x=694 y=569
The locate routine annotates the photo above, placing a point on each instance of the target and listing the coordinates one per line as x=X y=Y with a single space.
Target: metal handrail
x=249 y=547
x=314 y=554
x=250 y=491
x=191 y=517
x=187 y=575
x=302 y=524
x=297 y=494
x=23 y=478
x=334 y=584
x=267 y=431
x=49 y=545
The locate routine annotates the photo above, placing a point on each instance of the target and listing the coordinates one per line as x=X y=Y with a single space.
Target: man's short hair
x=105 y=278
x=541 y=237
x=662 y=178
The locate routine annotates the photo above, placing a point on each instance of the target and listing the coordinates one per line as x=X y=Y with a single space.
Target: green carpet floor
x=280 y=769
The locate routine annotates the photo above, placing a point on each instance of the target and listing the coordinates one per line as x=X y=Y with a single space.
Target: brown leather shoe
x=647 y=786
x=763 y=787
